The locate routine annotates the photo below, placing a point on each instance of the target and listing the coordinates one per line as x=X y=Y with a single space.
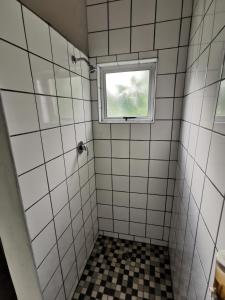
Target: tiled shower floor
x=121 y=269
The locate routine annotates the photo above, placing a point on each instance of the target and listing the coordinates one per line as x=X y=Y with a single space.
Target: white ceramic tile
x=121 y=198
x=137 y=229
x=143 y=12
x=103 y=182
x=37 y=33
x=87 y=211
x=55 y=172
x=12 y=78
x=167 y=61
x=79 y=240
x=168 y=11
x=165 y=86
x=75 y=205
x=62 y=220
x=138 y=185
x=68 y=261
x=156 y=202
x=161 y=130
x=71 y=282
x=73 y=185
x=48 y=267
x=119 y=14
x=138 y=200
x=65 y=241
x=77 y=223
x=61 y=295
x=140 y=131
x=205 y=246
x=120 y=166
x=71 y=162
x=62 y=78
x=54 y=286
x=119 y=41
x=185 y=29
x=68 y=137
x=85 y=193
x=52 y=143
x=76 y=85
x=98 y=43
x=80 y=132
x=43 y=243
x=120 y=131
x=167 y=34
x=138 y=215
x=139 y=149
x=121 y=183
x=103 y=165
x=105 y=211
x=159 y=150
x=216 y=162
x=59 y=49
x=139 y=41
x=157 y=186
x=97 y=23
x=104 y=197
x=47 y=111
x=59 y=197
x=101 y=131
x=105 y=224
x=164 y=108
x=211 y=208
x=65 y=111
x=139 y=167
x=154 y=232
x=121 y=213
x=11 y=29
x=20 y=112
x=121 y=227
x=38 y=216
x=120 y=149
x=33 y=186
x=43 y=76
x=155 y=217
x=27 y=151
x=158 y=168
x=81 y=260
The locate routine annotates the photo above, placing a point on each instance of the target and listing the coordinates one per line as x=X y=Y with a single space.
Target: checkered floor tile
x=121 y=269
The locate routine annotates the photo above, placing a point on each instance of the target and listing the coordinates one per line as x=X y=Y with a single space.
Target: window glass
x=127 y=94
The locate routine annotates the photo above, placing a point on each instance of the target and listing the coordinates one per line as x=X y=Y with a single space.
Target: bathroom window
x=220 y=111
x=126 y=91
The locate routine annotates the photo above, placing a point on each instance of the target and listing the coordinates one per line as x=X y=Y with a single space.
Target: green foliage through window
x=127 y=94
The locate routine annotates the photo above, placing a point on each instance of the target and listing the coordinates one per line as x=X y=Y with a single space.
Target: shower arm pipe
x=75 y=60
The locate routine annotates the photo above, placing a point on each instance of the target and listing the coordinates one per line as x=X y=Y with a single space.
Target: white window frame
x=116 y=67
x=220 y=119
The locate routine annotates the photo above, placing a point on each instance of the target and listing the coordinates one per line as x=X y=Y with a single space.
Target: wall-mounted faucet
x=81 y=147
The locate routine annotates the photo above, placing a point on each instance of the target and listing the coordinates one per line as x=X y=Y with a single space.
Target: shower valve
x=81 y=147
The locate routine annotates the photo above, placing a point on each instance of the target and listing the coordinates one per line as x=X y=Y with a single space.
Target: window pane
x=127 y=94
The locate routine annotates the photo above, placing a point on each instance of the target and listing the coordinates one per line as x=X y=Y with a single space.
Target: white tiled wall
x=46 y=101
x=197 y=227
x=136 y=163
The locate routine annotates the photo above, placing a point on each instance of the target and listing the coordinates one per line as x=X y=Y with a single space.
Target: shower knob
x=81 y=147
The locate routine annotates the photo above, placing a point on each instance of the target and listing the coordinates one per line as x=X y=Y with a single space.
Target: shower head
x=92 y=69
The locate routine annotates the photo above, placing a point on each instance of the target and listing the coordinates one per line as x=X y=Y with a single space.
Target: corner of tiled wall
x=198 y=218
x=46 y=101
x=136 y=163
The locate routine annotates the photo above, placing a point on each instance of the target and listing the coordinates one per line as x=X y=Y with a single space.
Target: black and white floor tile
x=122 y=269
